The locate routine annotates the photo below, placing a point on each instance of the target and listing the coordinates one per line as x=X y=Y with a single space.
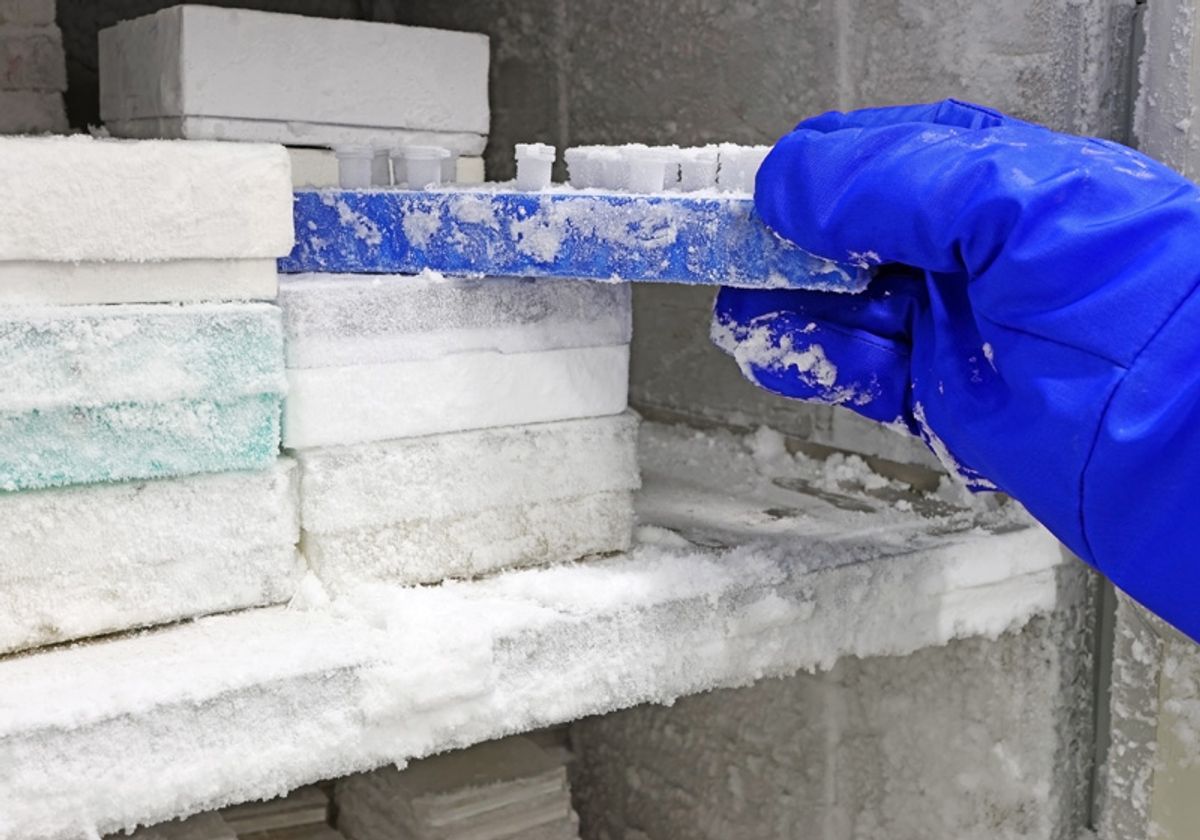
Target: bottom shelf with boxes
x=749 y=562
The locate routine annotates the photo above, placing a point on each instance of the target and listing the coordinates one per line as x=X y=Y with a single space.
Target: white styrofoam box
x=292 y=133
x=31 y=112
x=32 y=58
x=421 y=510
x=86 y=560
x=332 y=406
x=511 y=536
x=450 y=475
x=333 y=320
x=27 y=12
x=80 y=199
x=174 y=65
x=132 y=391
x=179 y=281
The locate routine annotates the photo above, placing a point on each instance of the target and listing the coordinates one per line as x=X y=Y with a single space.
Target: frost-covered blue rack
x=562 y=232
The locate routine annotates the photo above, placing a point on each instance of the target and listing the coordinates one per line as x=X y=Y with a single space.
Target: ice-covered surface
x=82 y=561
x=499 y=790
x=331 y=406
x=466 y=472
x=333 y=320
x=669 y=237
x=27 y=283
x=310 y=74
x=980 y=739
x=421 y=510
x=98 y=393
x=433 y=549
x=771 y=569
x=80 y=199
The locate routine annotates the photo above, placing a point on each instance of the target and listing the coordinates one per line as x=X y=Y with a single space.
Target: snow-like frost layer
x=420 y=510
x=333 y=406
x=178 y=281
x=465 y=472
x=80 y=561
x=70 y=199
x=508 y=536
x=337 y=320
x=103 y=393
x=95 y=355
x=765 y=572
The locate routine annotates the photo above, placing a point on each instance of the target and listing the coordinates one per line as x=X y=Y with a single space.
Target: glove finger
x=950 y=112
x=824 y=347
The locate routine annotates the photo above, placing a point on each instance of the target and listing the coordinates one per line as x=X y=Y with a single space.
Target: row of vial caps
x=726 y=167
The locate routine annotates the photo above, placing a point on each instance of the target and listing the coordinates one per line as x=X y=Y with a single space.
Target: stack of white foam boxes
x=143 y=380
x=451 y=428
x=444 y=427
x=33 y=70
x=308 y=83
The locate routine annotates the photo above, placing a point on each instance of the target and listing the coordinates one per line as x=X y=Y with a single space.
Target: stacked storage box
x=444 y=427
x=303 y=82
x=139 y=417
x=453 y=427
x=501 y=790
x=33 y=71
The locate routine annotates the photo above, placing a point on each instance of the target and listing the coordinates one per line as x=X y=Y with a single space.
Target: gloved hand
x=1034 y=317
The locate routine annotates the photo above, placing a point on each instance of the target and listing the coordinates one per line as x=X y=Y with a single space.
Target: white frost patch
x=364 y=228
x=474 y=209
x=640 y=226
x=420 y=226
x=754 y=347
x=863 y=259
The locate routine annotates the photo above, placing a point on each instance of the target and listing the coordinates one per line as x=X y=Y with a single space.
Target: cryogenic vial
x=738 y=165
x=381 y=169
x=581 y=166
x=450 y=167
x=423 y=165
x=608 y=167
x=698 y=168
x=355 y=164
x=534 y=161
x=399 y=171
x=645 y=169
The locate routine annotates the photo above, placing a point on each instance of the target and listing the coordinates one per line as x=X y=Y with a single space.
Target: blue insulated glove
x=1034 y=317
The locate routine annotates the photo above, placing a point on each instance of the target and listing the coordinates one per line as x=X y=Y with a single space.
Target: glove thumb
x=826 y=347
